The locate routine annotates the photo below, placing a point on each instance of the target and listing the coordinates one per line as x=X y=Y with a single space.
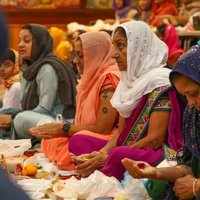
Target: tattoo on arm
x=184 y=166
x=105 y=110
x=105 y=95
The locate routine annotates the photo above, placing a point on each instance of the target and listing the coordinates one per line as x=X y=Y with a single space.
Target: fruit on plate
x=31 y=169
x=18 y=169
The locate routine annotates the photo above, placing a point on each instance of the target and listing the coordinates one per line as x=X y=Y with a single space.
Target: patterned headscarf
x=189 y=65
x=15 y=75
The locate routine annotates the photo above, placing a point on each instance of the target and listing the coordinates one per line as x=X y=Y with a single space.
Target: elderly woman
x=149 y=109
x=185 y=78
x=48 y=86
x=95 y=116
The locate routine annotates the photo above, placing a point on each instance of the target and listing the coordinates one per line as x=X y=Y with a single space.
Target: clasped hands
x=88 y=163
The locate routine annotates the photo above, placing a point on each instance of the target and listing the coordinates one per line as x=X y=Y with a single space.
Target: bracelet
x=183 y=172
x=101 y=152
x=194 y=187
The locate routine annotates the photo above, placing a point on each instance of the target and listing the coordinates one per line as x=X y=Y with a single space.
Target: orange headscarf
x=15 y=75
x=97 y=48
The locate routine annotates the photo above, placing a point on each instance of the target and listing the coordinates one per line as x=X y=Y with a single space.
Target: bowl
x=35 y=187
x=39 y=195
x=25 y=182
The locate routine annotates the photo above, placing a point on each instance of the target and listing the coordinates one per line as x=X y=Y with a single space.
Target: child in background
x=9 y=74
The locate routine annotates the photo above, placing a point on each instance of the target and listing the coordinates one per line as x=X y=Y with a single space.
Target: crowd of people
x=125 y=99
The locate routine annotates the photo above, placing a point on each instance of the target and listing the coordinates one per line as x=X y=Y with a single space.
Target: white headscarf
x=146 y=57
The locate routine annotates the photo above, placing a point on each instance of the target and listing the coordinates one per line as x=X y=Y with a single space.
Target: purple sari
x=163 y=98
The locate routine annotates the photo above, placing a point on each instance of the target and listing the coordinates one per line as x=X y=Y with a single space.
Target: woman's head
x=78 y=60
x=93 y=53
x=138 y=48
x=185 y=76
x=9 y=64
x=25 y=42
x=35 y=42
x=119 y=4
x=145 y=4
x=119 y=52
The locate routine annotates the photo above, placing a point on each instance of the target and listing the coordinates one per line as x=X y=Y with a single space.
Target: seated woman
x=94 y=114
x=125 y=11
x=185 y=78
x=149 y=109
x=48 y=86
x=145 y=6
x=189 y=8
x=9 y=74
x=167 y=33
x=159 y=8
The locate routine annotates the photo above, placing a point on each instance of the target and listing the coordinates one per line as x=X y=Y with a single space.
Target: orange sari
x=98 y=67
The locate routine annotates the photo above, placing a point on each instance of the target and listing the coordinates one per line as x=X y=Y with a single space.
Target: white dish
x=39 y=195
x=28 y=182
x=35 y=187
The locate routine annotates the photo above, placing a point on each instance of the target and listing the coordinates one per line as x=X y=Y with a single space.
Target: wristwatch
x=65 y=127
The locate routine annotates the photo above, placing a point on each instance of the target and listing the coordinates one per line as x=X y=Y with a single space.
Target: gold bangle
x=196 y=187
x=183 y=172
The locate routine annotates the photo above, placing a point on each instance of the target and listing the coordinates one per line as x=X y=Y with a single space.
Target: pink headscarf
x=97 y=49
x=172 y=40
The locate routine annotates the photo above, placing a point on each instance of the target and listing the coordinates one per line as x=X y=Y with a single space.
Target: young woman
x=183 y=178
x=145 y=6
x=149 y=109
x=9 y=74
x=48 y=86
x=94 y=114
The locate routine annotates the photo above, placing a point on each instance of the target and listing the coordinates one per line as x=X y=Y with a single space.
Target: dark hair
x=107 y=31
x=8 y=55
x=121 y=31
x=28 y=27
x=174 y=76
x=162 y=28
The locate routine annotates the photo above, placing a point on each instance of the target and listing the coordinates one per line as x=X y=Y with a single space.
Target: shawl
x=41 y=54
x=146 y=73
x=166 y=8
x=189 y=65
x=172 y=40
x=15 y=75
x=97 y=49
x=128 y=5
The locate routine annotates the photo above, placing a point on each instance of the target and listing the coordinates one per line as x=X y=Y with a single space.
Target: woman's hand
x=88 y=163
x=139 y=169
x=47 y=131
x=183 y=187
x=5 y=121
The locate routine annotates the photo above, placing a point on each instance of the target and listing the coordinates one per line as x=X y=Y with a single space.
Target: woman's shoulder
x=15 y=86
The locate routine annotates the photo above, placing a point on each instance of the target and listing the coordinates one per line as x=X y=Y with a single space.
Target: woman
x=44 y=82
x=125 y=11
x=149 y=111
x=9 y=74
x=189 y=8
x=167 y=33
x=145 y=6
x=94 y=114
x=185 y=79
x=159 y=8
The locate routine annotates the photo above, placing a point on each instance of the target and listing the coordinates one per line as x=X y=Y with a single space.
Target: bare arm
x=170 y=174
x=104 y=123
x=158 y=125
